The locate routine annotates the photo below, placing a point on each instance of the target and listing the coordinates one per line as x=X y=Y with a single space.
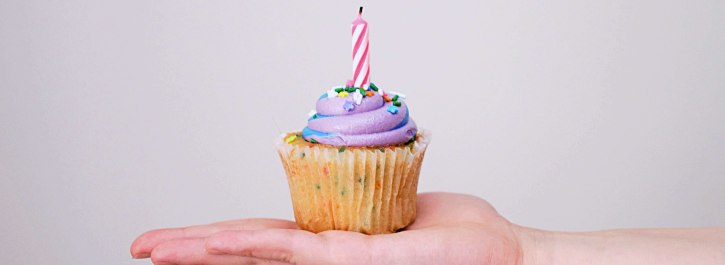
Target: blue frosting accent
x=318 y=117
x=323 y=96
x=404 y=121
x=306 y=132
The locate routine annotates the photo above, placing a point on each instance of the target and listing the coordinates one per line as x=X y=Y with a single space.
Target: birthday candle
x=360 y=54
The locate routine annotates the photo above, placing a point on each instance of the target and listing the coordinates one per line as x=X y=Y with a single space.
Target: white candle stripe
x=356 y=35
x=363 y=43
x=363 y=72
x=359 y=53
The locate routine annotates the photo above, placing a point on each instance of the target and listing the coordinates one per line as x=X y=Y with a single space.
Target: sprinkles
x=357 y=96
x=290 y=139
x=343 y=94
x=397 y=104
x=348 y=106
x=395 y=98
x=399 y=94
x=375 y=88
x=369 y=93
x=342 y=149
x=313 y=141
x=387 y=98
x=312 y=113
x=392 y=109
x=331 y=93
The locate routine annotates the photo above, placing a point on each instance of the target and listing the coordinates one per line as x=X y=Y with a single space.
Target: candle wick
x=360 y=11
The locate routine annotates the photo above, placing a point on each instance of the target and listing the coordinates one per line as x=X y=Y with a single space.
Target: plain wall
x=118 y=118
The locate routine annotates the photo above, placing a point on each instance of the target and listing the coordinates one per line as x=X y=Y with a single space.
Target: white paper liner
x=367 y=191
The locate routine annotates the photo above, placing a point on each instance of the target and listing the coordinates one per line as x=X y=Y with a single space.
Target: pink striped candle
x=360 y=55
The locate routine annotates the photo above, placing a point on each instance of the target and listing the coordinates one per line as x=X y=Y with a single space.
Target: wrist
x=535 y=245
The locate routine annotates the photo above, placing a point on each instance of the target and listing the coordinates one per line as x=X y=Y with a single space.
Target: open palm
x=450 y=229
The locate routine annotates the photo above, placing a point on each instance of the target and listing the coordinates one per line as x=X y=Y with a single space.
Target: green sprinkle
x=318 y=187
x=395 y=98
x=397 y=104
x=411 y=140
x=362 y=91
x=342 y=149
x=350 y=89
x=313 y=141
x=303 y=154
x=359 y=180
x=373 y=208
x=339 y=89
x=314 y=116
x=343 y=192
x=375 y=88
x=382 y=150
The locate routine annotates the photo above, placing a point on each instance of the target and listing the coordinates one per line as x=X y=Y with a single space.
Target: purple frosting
x=368 y=124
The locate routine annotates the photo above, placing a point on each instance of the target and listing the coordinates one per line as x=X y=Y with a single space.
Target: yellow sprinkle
x=343 y=94
x=291 y=138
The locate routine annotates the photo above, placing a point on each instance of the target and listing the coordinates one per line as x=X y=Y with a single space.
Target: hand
x=450 y=229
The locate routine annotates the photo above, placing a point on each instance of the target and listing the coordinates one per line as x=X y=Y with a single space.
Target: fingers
x=190 y=251
x=291 y=246
x=144 y=244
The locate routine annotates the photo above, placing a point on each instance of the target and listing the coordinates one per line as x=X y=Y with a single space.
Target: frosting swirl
x=374 y=121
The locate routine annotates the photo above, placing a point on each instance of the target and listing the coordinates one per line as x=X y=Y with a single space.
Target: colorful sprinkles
x=357 y=96
x=290 y=139
x=399 y=94
x=348 y=106
x=331 y=93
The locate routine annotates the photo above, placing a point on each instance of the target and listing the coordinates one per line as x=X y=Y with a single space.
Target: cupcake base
x=371 y=190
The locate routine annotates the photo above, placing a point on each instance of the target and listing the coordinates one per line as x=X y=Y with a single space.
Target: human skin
x=450 y=229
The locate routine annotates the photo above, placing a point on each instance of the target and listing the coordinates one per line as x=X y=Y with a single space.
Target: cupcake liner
x=359 y=189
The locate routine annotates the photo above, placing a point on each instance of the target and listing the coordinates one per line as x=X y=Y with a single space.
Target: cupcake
x=355 y=166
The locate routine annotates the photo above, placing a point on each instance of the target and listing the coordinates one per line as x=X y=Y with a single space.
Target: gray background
x=117 y=118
